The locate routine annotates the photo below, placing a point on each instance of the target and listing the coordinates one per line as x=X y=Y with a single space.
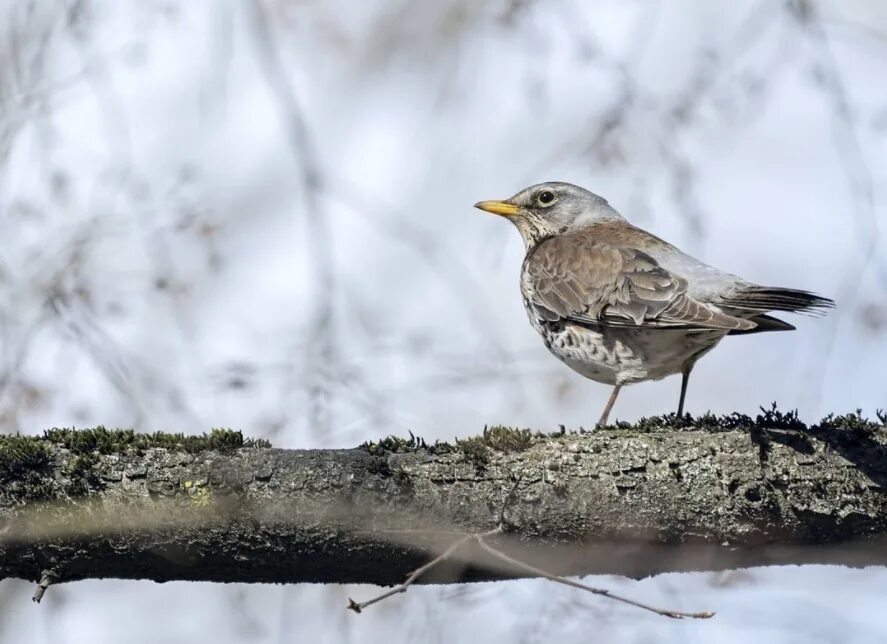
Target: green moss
x=853 y=422
x=770 y=418
x=479 y=449
x=107 y=441
x=441 y=447
x=24 y=464
x=499 y=438
x=83 y=464
x=22 y=455
x=474 y=450
x=508 y=439
x=671 y=422
x=25 y=460
x=774 y=419
x=223 y=440
x=83 y=477
x=380 y=465
x=394 y=445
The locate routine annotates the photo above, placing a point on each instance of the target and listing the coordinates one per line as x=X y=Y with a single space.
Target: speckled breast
x=618 y=355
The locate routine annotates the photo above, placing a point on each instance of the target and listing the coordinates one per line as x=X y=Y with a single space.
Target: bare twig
x=480 y=539
x=675 y=614
x=458 y=545
x=418 y=572
x=446 y=554
x=46 y=580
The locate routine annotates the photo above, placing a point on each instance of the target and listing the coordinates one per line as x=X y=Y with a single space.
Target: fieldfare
x=619 y=305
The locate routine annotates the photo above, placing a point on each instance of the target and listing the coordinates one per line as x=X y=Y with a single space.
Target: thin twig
x=358 y=607
x=418 y=572
x=575 y=584
x=515 y=563
x=46 y=580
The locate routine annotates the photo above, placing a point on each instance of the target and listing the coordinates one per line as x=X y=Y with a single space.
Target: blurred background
x=258 y=215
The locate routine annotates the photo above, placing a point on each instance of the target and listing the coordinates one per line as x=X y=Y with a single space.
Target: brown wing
x=577 y=278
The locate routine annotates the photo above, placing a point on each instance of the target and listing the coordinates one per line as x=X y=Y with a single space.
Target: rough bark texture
x=611 y=501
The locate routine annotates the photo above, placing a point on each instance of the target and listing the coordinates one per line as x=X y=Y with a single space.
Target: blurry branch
x=320 y=245
x=719 y=493
x=446 y=264
x=669 y=122
x=319 y=182
x=859 y=175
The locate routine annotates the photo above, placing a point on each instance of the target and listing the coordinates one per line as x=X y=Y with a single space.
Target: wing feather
x=574 y=277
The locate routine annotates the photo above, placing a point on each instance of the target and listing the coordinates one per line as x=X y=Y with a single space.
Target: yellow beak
x=498 y=208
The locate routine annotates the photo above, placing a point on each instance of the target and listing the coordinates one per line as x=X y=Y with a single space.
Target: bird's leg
x=609 y=406
x=685 y=378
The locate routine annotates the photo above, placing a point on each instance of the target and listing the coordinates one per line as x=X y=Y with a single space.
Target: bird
x=618 y=304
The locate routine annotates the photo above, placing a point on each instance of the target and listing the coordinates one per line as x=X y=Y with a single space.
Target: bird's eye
x=545 y=198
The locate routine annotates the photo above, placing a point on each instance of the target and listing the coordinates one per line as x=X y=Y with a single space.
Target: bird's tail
x=764 y=323
x=765 y=298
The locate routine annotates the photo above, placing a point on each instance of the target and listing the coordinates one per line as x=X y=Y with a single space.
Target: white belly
x=626 y=355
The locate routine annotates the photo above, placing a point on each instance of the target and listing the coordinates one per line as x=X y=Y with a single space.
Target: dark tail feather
x=763 y=298
x=765 y=323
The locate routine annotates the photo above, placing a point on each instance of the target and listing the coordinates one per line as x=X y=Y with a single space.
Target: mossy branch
x=665 y=494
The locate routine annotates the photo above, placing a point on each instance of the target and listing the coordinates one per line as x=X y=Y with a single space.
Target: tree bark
x=610 y=501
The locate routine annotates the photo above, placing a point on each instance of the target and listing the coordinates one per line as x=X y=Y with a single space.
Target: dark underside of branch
x=659 y=496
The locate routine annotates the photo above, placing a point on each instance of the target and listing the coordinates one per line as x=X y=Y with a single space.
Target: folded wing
x=574 y=277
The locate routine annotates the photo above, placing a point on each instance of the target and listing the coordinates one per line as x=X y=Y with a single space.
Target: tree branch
x=632 y=501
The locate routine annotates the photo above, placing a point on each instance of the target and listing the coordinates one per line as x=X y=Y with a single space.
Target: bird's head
x=551 y=208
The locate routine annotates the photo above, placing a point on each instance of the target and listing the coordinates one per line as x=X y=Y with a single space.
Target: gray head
x=551 y=208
